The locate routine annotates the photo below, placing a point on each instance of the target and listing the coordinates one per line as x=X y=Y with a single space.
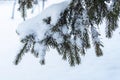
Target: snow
x=58 y=37
x=40 y=27
x=109 y=5
x=95 y=35
x=106 y=67
x=54 y=11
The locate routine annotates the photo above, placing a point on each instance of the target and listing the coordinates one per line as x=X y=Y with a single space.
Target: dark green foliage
x=79 y=18
x=86 y=39
x=112 y=18
x=96 y=9
x=23 y=5
x=48 y=20
x=98 y=50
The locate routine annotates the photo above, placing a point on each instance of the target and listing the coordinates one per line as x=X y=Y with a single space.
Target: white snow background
x=106 y=67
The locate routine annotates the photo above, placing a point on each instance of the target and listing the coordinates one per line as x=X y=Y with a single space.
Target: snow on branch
x=65 y=27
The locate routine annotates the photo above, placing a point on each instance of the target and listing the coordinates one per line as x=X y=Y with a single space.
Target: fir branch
x=86 y=42
x=20 y=54
x=112 y=18
x=96 y=41
x=24 y=5
x=98 y=50
x=77 y=56
x=77 y=19
x=96 y=10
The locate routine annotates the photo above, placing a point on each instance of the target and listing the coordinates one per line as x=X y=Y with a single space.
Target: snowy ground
x=106 y=67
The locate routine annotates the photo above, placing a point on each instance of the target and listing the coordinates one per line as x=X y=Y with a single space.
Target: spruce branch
x=70 y=36
x=24 y=5
x=96 y=41
x=20 y=54
x=98 y=50
x=28 y=45
x=111 y=19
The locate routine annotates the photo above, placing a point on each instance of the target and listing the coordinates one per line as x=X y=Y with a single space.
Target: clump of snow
x=58 y=37
x=37 y=25
x=109 y=5
x=79 y=42
x=95 y=35
x=54 y=11
x=40 y=48
x=65 y=29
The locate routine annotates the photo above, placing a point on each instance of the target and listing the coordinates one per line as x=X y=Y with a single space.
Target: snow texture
x=37 y=25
